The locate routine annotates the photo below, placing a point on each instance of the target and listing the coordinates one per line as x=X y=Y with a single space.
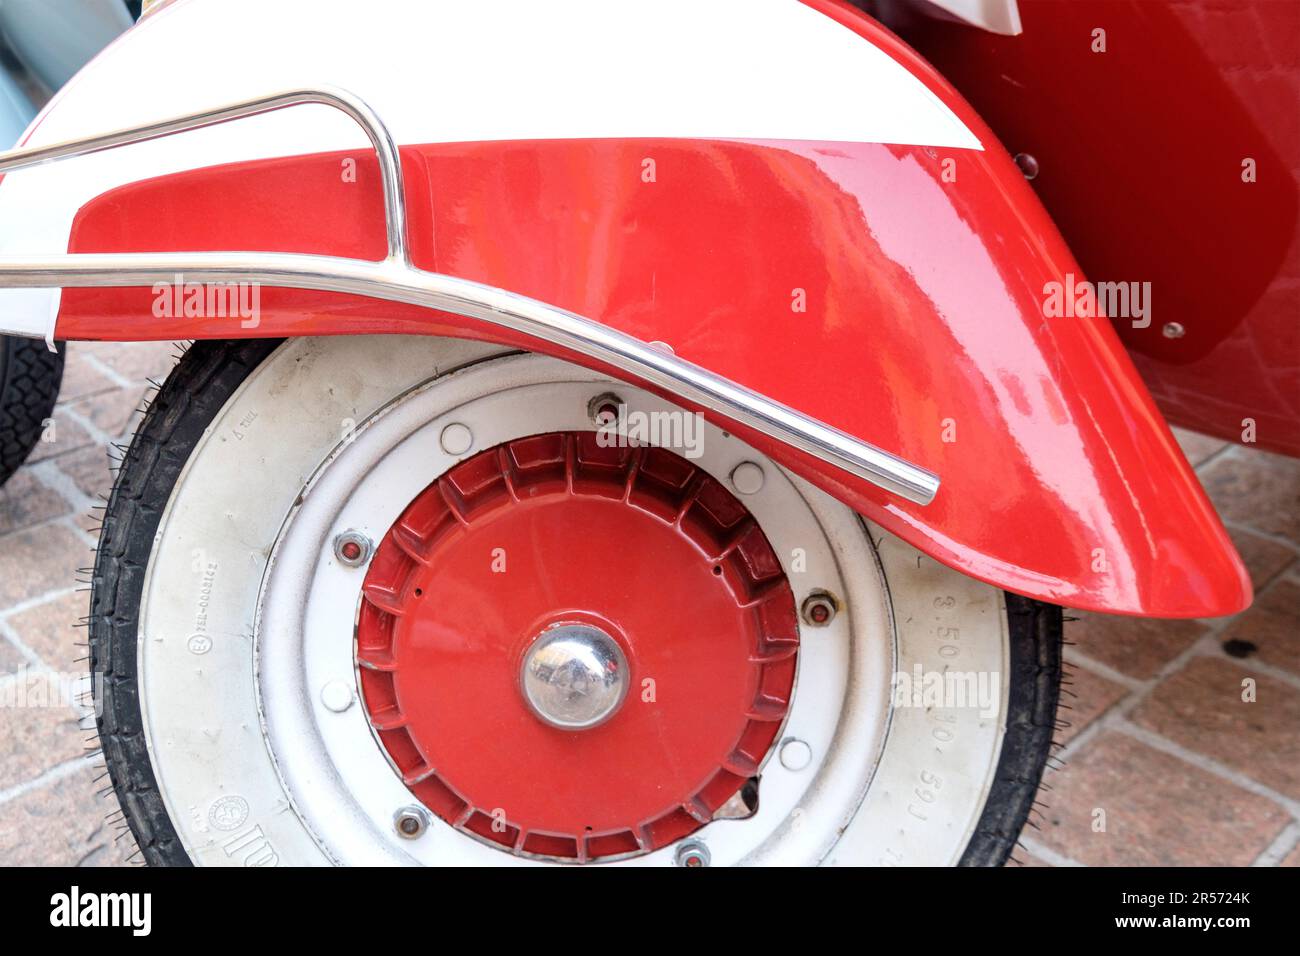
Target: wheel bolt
x=410 y=822
x=819 y=609
x=352 y=548
x=692 y=854
x=603 y=409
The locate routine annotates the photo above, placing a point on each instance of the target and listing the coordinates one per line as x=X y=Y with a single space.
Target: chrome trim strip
x=389 y=162
x=396 y=279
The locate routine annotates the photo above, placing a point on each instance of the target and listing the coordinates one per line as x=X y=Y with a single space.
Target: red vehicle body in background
x=1168 y=158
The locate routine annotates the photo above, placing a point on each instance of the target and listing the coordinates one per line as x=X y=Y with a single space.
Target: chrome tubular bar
x=396 y=279
x=390 y=164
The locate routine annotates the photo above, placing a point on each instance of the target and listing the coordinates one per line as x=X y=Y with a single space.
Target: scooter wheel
x=30 y=375
x=370 y=600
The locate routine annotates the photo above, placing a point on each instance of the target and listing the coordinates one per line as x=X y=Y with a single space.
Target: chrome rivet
x=795 y=754
x=410 y=822
x=693 y=853
x=352 y=548
x=819 y=609
x=603 y=409
x=662 y=347
x=747 y=478
x=456 y=439
x=1173 y=330
x=336 y=696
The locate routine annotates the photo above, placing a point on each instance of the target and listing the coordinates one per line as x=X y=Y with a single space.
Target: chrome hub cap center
x=574 y=676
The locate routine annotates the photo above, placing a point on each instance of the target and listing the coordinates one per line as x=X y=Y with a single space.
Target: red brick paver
x=1085 y=696
x=1123 y=803
x=1187 y=772
x=68 y=821
x=53 y=807
x=1270 y=627
x=1226 y=710
x=1134 y=646
x=1256 y=489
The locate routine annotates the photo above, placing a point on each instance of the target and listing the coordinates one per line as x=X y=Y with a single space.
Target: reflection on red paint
x=923 y=303
x=1141 y=152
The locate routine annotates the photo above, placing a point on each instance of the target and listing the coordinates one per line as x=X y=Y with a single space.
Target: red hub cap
x=676 y=603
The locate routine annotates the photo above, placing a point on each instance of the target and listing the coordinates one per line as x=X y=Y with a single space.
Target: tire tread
x=30 y=376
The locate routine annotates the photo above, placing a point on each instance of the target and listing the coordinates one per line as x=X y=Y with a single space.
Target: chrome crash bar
x=396 y=279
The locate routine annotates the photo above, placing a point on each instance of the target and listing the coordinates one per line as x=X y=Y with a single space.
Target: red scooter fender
x=896 y=292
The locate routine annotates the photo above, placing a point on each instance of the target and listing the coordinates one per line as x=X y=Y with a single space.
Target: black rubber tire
x=193 y=394
x=1034 y=688
x=30 y=376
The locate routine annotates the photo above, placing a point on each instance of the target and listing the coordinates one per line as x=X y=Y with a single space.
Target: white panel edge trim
x=30 y=313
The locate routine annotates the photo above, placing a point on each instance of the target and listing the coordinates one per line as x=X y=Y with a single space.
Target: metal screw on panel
x=456 y=439
x=819 y=609
x=747 y=478
x=1173 y=330
x=410 y=822
x=1028 y=165
x=692 y=854
x=352 y=548
x=603 y=409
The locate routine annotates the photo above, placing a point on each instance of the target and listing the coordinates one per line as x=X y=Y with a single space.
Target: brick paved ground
x=1162 y=750
x=52 y=808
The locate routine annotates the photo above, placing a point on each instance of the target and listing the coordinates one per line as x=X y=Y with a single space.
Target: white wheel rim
x=314 y=784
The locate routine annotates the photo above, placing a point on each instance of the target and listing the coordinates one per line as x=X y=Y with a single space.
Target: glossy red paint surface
x=636 y=542
x=923 y=315
x=922 y=327
x=1140 y=151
